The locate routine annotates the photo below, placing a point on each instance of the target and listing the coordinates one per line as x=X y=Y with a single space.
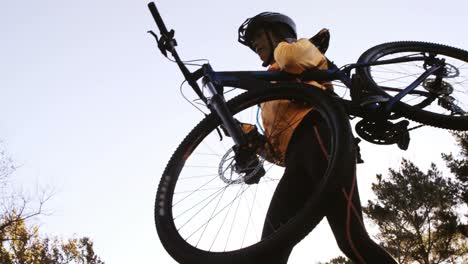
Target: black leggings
x=307 y=157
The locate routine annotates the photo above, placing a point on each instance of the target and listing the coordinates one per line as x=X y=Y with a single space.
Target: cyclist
x=302 y=149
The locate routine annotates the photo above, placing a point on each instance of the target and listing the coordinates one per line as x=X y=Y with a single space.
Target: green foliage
x=338 y=260
x=23 y=244
x=417 y=215
x=20 y=242
x=459 y=167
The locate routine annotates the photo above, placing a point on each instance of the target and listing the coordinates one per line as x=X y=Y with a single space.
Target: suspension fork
x=217 y=105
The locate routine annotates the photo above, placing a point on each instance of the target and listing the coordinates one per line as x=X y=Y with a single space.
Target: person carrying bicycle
x=302 y=148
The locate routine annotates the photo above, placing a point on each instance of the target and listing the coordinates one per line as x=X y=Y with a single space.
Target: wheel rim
x=213 y=210
x=449 y=97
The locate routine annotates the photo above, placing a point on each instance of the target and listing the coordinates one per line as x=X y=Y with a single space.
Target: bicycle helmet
x=265 y=18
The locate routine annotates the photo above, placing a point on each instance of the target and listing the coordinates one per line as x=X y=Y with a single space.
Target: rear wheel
x=441 y=100
x=205 y=210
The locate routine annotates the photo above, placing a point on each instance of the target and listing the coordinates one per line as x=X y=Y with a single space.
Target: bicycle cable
x=181 y=87
x=189 y=62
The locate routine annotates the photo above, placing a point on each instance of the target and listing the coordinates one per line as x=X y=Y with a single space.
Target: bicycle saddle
x=321 y=40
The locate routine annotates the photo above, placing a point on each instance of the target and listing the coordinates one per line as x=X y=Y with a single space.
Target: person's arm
x=295 y=57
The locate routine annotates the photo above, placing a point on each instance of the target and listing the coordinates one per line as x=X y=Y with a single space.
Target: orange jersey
x=280 y=118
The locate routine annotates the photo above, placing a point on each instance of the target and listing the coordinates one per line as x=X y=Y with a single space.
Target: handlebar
x=157 y=18
x=168 y=43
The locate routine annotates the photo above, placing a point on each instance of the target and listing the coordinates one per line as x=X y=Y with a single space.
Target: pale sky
x=90 y=107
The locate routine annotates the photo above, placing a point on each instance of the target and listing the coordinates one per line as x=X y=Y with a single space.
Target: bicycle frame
x=215 y=81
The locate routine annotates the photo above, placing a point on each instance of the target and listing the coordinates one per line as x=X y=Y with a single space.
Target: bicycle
x=215 y=189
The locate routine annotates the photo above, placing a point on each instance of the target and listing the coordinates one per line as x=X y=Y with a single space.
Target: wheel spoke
x=224 y=220
x=197 y=176
x=212 y=207
x=215 y=194
x=208 y=182
x=233 y=218
x=211 y=216
x=453 y=83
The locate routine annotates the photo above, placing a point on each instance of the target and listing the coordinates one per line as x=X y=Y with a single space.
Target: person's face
x=262 y=45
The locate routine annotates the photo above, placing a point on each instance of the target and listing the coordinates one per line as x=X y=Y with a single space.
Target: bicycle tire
x=390 y=79
x=342 y=159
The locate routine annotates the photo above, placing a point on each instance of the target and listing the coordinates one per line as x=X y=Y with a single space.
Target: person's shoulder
x=300 y=43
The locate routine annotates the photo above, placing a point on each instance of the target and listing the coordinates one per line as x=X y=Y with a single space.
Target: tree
x=459 y=167
x=417 y=216
x=6 y=168
x=338 y=260
x=20 y=241
x=22 y=244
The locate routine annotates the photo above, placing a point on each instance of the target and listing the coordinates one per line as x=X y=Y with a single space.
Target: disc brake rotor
x=230 y=174
x=449 y=71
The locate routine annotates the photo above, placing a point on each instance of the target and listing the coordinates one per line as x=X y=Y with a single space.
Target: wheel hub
x=230 y=173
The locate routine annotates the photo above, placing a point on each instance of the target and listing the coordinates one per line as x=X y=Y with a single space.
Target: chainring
x=381 y=132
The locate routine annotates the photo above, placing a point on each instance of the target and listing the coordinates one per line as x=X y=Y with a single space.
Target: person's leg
x=345 y=218
x=308 y=157
x=305 y=164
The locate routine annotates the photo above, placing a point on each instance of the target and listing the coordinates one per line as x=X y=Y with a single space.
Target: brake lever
x=165 y=43
x=161 y=47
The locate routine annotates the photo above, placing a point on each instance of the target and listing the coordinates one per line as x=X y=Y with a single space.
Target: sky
x=91 y=109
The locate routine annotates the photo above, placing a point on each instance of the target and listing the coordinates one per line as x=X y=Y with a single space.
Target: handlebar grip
x=157 y=18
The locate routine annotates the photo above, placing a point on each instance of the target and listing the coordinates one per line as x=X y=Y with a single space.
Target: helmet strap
x=271 y=57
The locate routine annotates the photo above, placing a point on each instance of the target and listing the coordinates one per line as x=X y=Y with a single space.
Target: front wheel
x=441 y=100
x=207 y=212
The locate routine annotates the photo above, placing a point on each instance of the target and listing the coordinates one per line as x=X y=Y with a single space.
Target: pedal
x=403 y=138
x=359 y=159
